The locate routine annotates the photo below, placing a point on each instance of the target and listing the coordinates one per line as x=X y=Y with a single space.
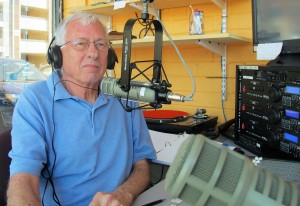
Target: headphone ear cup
x=112 y=58
x=49 y=52
x=54 y=57
x=49 y=56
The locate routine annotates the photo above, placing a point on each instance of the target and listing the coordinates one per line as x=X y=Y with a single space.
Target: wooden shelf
x=224 y=38
x=108 y=8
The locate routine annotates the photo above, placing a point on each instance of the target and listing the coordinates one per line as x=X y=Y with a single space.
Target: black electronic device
x=190 y=125
x=277 y=21
x=227 y=129
x=267 y=119
x=176 y=122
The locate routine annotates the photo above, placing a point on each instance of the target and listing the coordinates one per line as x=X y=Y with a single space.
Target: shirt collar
x=56 y=87
x=59 y=92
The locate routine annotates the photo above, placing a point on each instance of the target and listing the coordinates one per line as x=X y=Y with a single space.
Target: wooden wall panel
x=73 y=3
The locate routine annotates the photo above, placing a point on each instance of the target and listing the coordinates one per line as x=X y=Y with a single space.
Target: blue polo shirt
x=89 y=148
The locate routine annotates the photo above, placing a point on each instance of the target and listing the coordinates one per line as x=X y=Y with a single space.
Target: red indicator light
x=244 y=89
x=243 y=107
x=243 y=126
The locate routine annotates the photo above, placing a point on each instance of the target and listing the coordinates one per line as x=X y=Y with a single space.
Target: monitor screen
x=277 y=21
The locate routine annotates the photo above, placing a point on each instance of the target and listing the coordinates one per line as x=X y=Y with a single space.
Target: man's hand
x=110 y=199
x=124 y=195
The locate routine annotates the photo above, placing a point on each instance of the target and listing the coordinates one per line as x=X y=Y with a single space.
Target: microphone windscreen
x=205 y=172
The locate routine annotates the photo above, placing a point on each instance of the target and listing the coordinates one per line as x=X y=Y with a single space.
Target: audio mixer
x=268 y=110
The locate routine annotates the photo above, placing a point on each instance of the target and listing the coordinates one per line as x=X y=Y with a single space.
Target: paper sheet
x=166 y=145
x=268 y=51
x=119 y=4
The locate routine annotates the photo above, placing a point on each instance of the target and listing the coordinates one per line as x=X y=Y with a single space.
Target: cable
x=78 y=85
x=50 y=174
x=161 y=175
x=190 y=96
x=49 y=178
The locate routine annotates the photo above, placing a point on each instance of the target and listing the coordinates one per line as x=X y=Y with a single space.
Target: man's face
x=85 y=67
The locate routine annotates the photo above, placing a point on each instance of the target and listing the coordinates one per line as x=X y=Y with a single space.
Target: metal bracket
x=219 y=3
x=223 y=5
x=224 y=19
x=218 y=48
x=140 y=7
x=221 y=50
x=224 y=77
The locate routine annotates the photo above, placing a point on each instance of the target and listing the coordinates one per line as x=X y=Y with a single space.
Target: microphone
x=139 y=91
x=205 y=172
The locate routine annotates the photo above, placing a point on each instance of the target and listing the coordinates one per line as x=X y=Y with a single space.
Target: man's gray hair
x=85 y=18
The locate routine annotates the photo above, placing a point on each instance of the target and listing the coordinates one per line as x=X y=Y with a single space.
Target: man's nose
x=92 y=51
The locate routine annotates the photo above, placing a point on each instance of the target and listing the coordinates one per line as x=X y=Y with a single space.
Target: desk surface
x=157 y=192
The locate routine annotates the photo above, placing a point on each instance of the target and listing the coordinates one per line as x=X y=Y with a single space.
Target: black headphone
x=54 y=57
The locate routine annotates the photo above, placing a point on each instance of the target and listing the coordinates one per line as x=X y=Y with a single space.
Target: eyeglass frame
x=88 y=43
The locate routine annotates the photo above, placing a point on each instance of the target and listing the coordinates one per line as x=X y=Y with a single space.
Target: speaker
x=54 y=56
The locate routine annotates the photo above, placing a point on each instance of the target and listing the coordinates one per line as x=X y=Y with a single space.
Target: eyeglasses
x=81 y=44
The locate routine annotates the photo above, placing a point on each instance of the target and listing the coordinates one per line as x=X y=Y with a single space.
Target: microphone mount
x=145 y=13
x=158 y=85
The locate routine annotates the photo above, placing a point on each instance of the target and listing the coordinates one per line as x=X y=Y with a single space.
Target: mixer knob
x=273 y=139
x=274 y=116
x=275 y=94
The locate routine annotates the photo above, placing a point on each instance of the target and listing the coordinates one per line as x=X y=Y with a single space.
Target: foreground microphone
x=139 y=91
x=205 y=172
